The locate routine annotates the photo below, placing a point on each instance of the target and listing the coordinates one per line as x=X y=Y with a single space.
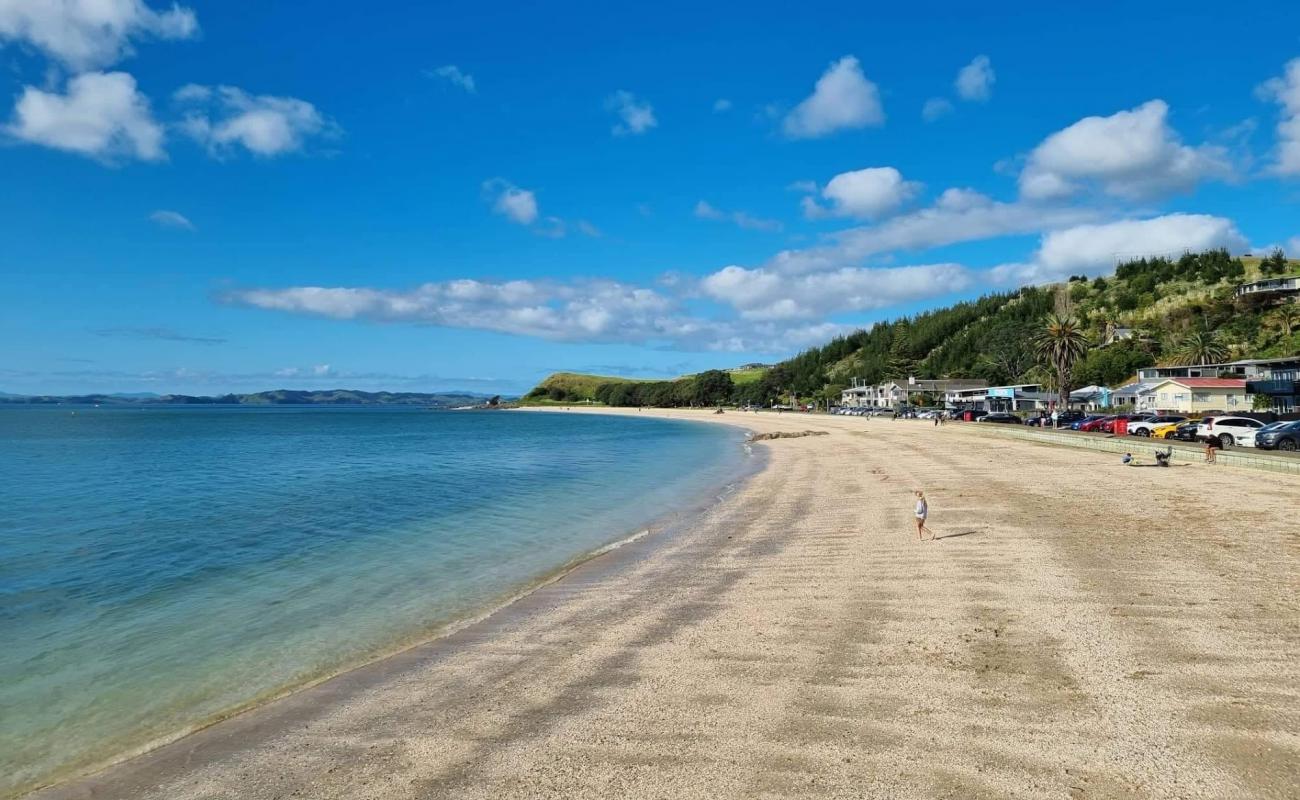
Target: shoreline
x=794 y=639
x=667 y=523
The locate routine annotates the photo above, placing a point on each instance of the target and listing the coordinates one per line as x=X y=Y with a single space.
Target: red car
x=1095 y=425
x=1108 y=424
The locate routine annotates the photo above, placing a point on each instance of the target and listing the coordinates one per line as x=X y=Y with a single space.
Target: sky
x=241 y=195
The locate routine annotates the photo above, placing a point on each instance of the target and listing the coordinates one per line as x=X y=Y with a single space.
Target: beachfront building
x=1020 y=397
x=1247 y=368
x=1200 y=395
x=1280 y=386
x=1091 y=398
x=896 y=394
x=1270 y=287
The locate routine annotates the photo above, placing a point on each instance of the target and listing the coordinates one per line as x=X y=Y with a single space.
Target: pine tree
x=901 y=362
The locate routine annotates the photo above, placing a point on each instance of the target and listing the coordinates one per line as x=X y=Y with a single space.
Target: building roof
x=1209 y=383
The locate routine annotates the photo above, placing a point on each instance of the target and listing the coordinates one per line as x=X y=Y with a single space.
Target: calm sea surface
x=160 y=566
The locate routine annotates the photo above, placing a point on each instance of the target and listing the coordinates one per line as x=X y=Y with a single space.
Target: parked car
x=1079 y=423
x=1001 y=417
x=1279 y=436
x=1144 y=427
x=1095 y=425
x=1165 y=430
x=1229 y=431
x=1185 y=431
x=1064 y=419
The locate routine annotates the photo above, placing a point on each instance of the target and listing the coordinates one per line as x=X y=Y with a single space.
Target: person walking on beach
x=922 y=511
x=1211 y=445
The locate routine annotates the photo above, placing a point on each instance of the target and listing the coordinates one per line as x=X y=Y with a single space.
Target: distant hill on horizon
x=327 y=397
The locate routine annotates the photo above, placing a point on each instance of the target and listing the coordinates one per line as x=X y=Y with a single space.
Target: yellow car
x=1165 y=431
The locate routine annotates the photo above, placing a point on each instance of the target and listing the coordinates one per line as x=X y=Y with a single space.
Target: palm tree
x=1285 y=317
x=1201 y=347
x=1060 y=343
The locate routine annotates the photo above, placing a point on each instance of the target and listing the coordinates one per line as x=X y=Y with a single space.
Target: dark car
x=1063 y=420
x=1186 y=431
x=1002 y=417
x=1279 y=436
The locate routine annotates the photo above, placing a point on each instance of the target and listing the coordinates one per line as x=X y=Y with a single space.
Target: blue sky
x=227 y=196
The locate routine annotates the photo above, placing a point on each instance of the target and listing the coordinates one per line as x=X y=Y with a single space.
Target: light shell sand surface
x=1079 y=630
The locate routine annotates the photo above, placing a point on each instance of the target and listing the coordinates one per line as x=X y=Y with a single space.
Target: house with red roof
x=1199 y=395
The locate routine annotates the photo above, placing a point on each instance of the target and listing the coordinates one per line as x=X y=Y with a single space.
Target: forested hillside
x=1152 y=310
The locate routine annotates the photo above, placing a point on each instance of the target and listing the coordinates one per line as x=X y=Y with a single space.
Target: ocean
x=163 y=566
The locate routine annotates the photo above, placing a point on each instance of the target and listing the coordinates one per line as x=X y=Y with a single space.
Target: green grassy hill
x=1157 y=303
x=571 y=387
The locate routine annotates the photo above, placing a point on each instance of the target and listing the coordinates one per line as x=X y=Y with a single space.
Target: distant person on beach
x=1127 y=459
x=1211 y=445
x=922 y=511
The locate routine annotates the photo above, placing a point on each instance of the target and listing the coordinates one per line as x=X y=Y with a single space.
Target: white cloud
x=959 y=215
x=864 y=194
x=591 y=311
x=1132 y=154
x=721 y=104
x=102 y=116
x=1285 y=91
x=515 y=204
x=1293 y=247
x=452 y=74
x=1093 y=249
x=608 y=311
x=90 y=34
x=171 y=219
x=936 y=108
x=226 y=117
x=842 y=98
x=636 y=116
x=766 y=294
x=742 y=219
x=587 y=229
x=975 y=80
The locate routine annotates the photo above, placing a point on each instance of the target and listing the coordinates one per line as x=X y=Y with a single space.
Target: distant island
x=276 y=397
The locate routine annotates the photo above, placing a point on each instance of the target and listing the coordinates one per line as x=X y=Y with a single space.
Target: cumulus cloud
x=936 y=108
x=865 y=194
x=90 y=34
x=452 y=74
x=591 y=311
x=959 y=215
x=515 y=204
x=767 y=294
x=975 y=80
x=1095 y=248
x=741 y=219
x=1285 y=91
x=171 y=219
x=842 y=98
x=635 y=116
x=224 y=118
x=102 y=116
x=1132 y=154
x=773 y=314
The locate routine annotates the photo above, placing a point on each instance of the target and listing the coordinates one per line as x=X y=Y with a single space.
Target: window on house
x=1200 y=397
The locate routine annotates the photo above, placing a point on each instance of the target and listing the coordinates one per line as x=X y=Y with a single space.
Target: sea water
x=162 y=566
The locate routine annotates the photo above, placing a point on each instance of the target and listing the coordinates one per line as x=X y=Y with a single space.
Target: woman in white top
x=922 y=511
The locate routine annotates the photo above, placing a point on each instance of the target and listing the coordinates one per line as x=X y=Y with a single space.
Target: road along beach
x=1078 y=629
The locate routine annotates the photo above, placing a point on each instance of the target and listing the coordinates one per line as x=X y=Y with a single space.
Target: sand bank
x=1080 y=629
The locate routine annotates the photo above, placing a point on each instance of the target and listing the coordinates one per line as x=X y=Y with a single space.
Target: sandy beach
x=1078 y=630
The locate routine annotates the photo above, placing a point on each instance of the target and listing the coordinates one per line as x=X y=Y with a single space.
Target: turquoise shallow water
x=161 y=566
